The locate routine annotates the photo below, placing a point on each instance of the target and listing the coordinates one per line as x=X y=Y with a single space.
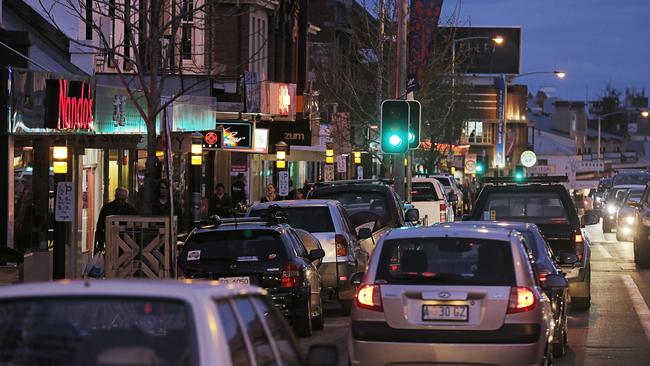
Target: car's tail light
x=341 y=245
x=369 y=297
x=290 y=275
x=579 y=244
x=542 y=276
x=443 y=212
x=521 y=299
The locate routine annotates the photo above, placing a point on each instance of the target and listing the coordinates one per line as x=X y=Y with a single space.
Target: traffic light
x=395 y=126
x=481 y=167
x=519 y=173
x=415 y=109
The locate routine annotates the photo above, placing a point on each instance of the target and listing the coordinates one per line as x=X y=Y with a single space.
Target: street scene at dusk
x=324 y=182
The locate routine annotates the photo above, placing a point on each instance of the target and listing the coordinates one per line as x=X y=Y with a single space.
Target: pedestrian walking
x=162 y=204
x=119 y=206
x=271 y=194
x=220 y=204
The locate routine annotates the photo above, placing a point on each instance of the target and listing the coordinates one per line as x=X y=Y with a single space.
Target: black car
x=642 y=229
x=546 y=203
x=368 y=203
x=614 y=200
x=260 y=252
x=545 y=263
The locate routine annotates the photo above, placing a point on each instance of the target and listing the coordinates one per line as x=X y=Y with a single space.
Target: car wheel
x=302 y=321
x=318 y=323
x=583 y=303
x=346 y=307
x=641 y=252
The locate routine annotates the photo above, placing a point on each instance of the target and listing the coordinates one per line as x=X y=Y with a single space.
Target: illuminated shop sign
x=69 y=105
x=237 y=135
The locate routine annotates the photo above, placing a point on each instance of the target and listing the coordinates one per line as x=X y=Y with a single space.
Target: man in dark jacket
x=119 y=206
x=238 y=190
x=220 y=204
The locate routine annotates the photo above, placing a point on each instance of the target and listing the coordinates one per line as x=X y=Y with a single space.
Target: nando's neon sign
x=75 y=112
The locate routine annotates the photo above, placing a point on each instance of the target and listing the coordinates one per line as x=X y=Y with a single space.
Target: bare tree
x=147 y=43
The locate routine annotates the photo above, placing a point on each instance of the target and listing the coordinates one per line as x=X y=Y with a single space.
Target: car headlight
x=629 y=220
x=611 y=209
x=598 y=199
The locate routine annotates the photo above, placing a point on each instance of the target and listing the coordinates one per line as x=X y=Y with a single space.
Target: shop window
x=478 y=132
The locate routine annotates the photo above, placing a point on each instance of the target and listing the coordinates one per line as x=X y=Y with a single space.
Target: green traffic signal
x=479 y=168
x=519 y=173
x=395 y=126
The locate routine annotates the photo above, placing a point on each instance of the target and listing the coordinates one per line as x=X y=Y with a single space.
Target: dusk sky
x=594 y=41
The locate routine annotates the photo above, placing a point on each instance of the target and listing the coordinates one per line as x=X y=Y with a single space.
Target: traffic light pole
x=398 y=160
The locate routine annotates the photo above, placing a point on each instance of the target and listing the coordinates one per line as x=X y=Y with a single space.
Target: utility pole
x=398 y=160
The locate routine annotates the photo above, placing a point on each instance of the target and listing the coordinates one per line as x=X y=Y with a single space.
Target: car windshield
x=539 y=208
x=635 y=195
x=424 y=191
x=315 y=219
x=229 y=246
x=447 y=261
x=445 y=181
x=623 y=179
x=616 y=195
x=362 y=206
x=96 y=331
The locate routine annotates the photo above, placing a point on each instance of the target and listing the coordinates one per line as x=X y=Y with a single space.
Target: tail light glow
x=522 y=299
x=341 y=245
x=290 y=275
x=443 y=212
x=369 y=297
x=578 y=241
x=542 y=276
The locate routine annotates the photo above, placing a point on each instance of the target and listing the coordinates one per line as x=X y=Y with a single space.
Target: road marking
x=603 y=251
x=640 y=306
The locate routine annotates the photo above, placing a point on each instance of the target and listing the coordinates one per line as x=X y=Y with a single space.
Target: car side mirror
x=323 y=355
x=364 y=233
x=589 y=219
x=452 y=197
x=412 y=215
x=555 y=281
x=356 y=278
x=567 y=258
x=316 y=254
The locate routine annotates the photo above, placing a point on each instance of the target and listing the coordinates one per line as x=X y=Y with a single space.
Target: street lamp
x=643 y=114
x=281 y=154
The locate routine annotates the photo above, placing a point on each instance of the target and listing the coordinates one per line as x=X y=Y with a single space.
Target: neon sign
x=284 y=100
x=75 y=112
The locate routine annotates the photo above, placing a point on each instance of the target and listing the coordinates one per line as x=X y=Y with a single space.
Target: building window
x=258 y=44
x=477 y=132
x=187 y=24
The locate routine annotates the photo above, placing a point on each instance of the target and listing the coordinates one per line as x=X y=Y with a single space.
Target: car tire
x=302 y=325
x=583 y=303
x=641 y=251
x=318 y=323
x=346 y=307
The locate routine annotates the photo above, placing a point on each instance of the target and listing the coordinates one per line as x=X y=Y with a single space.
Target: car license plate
x=235 y=280
x=445 y=312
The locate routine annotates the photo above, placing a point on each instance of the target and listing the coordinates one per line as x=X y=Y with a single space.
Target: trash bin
x=11 y=266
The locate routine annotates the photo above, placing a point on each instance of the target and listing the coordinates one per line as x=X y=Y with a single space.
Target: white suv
x=452 y=294
x=451 y=186
x=428 y=196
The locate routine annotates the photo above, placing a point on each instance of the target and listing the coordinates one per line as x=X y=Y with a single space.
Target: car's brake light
x=290 y=275
x=369 y=297
x=521 y=299
x=542 y=276
x=579 y=244
x=443 y=212
x=341 y=245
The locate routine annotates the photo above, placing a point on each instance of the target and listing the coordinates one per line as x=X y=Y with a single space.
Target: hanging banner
x=500 y=83
x=422 y=27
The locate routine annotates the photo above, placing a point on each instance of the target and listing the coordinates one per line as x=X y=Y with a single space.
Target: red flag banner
x=422 y=26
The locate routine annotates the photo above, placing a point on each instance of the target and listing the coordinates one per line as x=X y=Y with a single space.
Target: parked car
x=371 y=204
x=613 y=202
x=328 y=221
x=429 y=197
x=452 y=294
x=627 y=213
x=545 y=202
x=545 y=263
x=261 y=252
x=137 y=322
x=451 y=186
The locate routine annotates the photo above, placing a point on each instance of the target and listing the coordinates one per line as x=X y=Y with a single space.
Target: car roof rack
x=273 y=216
x=526 y=180
x=384 y=181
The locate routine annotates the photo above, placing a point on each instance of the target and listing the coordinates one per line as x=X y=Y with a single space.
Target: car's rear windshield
x=316 y=219
x=635 y=195
x=96 y=331
x=231 y=246
x=445 y=181
x=359 y=201
x=539 y=208
x=424 y=191
x=446 y=261
x=628 y=179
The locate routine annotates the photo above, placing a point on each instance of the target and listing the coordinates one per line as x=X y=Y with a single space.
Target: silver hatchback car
x=451 y=294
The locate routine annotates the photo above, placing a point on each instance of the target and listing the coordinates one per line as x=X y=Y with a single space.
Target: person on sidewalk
x=220 y=203
x=119 y=206
x=161 y=205
x=271 y=194
x=238 y=190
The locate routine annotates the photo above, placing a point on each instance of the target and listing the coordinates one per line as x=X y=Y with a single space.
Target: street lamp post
x=643 y=114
